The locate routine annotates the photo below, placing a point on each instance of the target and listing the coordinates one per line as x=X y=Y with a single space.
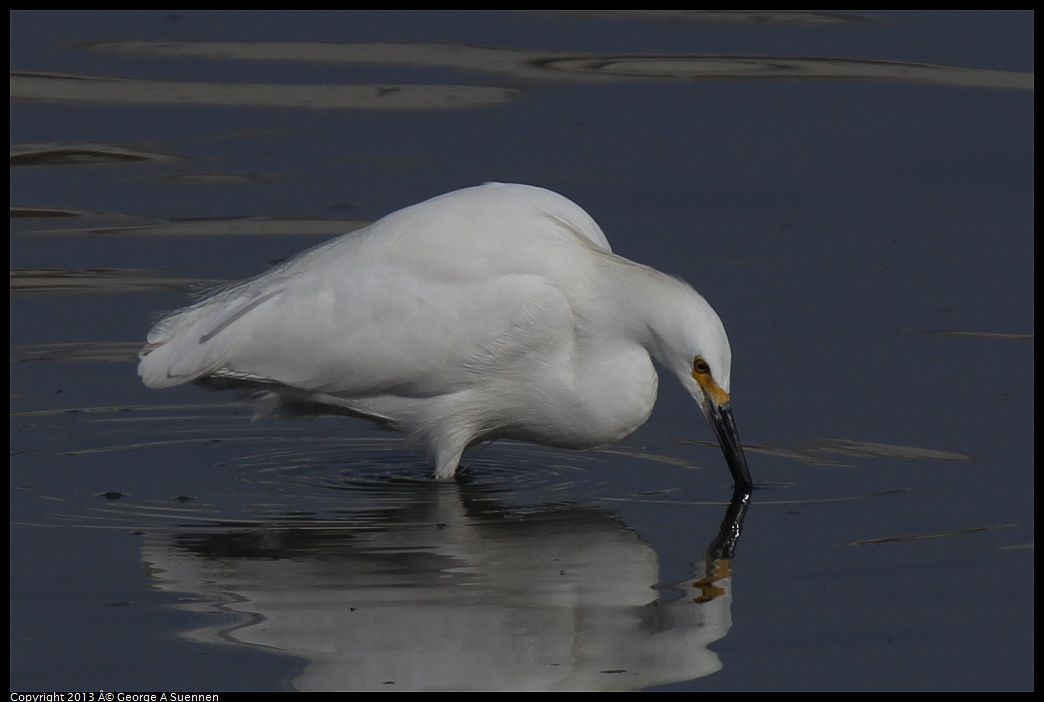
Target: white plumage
x=493 y=311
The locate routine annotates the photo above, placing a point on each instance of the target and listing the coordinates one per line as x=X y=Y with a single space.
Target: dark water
x=853 y=193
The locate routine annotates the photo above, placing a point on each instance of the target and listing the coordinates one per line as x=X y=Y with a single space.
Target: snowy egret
x=497 y=311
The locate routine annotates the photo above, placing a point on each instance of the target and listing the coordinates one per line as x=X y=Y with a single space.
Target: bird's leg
x=447 y=461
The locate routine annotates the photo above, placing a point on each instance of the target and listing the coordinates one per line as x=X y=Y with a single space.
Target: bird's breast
x=603 y=402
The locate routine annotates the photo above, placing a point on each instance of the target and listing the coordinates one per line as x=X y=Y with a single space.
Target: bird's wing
x=377 y=330
x=410 y=305
x=194 y=342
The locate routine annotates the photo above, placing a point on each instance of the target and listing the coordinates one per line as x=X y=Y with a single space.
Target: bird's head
x=693 y=345
x=714 y=400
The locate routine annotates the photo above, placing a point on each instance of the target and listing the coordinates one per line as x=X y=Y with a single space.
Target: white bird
x=497 y=311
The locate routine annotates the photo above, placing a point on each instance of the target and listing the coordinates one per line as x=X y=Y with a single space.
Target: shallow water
x=853 y=193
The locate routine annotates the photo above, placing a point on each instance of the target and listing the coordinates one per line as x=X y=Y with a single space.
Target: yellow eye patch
x=701 y=373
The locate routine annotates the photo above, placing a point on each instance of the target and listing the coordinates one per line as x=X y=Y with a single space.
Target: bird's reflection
x=454 y=590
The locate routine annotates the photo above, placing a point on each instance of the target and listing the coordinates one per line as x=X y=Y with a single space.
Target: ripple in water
x=385 y=467
x=226 y=469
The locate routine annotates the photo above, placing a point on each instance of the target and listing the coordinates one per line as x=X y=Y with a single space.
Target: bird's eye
x=700 y=366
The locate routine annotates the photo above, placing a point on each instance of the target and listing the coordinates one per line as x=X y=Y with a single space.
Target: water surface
x=853 y=192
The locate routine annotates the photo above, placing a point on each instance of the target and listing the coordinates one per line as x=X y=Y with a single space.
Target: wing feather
x=408 y=306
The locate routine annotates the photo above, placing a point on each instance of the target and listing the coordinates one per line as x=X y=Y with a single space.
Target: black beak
x=725 y=428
